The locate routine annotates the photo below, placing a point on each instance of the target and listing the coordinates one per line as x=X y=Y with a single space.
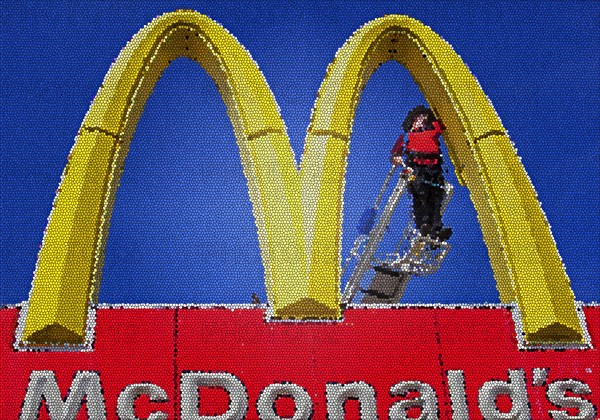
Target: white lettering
x=427 y=401
x=266 y=401
x=458 y=398
x=191 y=398
x=515 y=388
x=42 y=384
x=556 y=395
x=337 y=394
x=131 y=392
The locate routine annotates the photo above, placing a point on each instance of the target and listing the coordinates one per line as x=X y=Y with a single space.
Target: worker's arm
x=397 y=150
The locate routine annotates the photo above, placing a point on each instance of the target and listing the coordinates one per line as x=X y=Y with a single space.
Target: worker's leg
x=420 y=206
x=435 y=199
x=441 y=233
x=433 y=184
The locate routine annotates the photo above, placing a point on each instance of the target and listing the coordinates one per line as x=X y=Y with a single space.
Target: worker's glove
x=396 y=160
x=407 y=172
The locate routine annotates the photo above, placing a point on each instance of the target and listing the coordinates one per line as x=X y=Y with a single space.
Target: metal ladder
x=414 y=255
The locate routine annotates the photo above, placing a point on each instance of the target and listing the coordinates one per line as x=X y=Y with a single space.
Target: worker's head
x=419 y=117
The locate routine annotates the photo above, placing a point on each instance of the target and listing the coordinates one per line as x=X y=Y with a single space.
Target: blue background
x=182 y=229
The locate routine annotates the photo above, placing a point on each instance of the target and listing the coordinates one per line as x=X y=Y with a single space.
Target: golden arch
x=298 y=215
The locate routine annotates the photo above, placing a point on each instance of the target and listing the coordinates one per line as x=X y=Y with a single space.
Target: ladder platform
x=386 y=287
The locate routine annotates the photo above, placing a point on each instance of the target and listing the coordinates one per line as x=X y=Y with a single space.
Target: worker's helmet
x=413 y=113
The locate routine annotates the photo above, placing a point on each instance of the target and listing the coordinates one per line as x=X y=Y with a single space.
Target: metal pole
x=375 y=237
x=384 y=187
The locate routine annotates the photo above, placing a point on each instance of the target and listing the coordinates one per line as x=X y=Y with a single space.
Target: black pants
x=428 y=193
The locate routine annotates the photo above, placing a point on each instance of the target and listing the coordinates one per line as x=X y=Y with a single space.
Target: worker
x=423 y=156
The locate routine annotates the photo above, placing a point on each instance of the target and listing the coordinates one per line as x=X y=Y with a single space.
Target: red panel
x=377 y=346
x=380 y=347
x=131 y=346
x=592 y=316
x=483 y=344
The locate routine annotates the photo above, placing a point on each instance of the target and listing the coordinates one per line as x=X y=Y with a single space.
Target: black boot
x=444 y=234
x=425 y=230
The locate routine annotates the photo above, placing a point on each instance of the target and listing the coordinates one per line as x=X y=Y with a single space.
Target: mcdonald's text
x=230 y=397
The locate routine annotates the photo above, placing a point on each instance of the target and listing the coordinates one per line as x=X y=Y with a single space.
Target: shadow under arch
x=298 y=216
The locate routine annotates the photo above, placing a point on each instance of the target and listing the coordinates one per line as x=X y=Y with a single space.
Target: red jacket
x=426 y=141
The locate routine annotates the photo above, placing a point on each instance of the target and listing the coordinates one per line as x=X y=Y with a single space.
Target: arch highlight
x=524 y=257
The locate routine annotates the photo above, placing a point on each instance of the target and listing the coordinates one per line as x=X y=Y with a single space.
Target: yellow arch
x=524 y=257
x=298 y=216
x=70 y=261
